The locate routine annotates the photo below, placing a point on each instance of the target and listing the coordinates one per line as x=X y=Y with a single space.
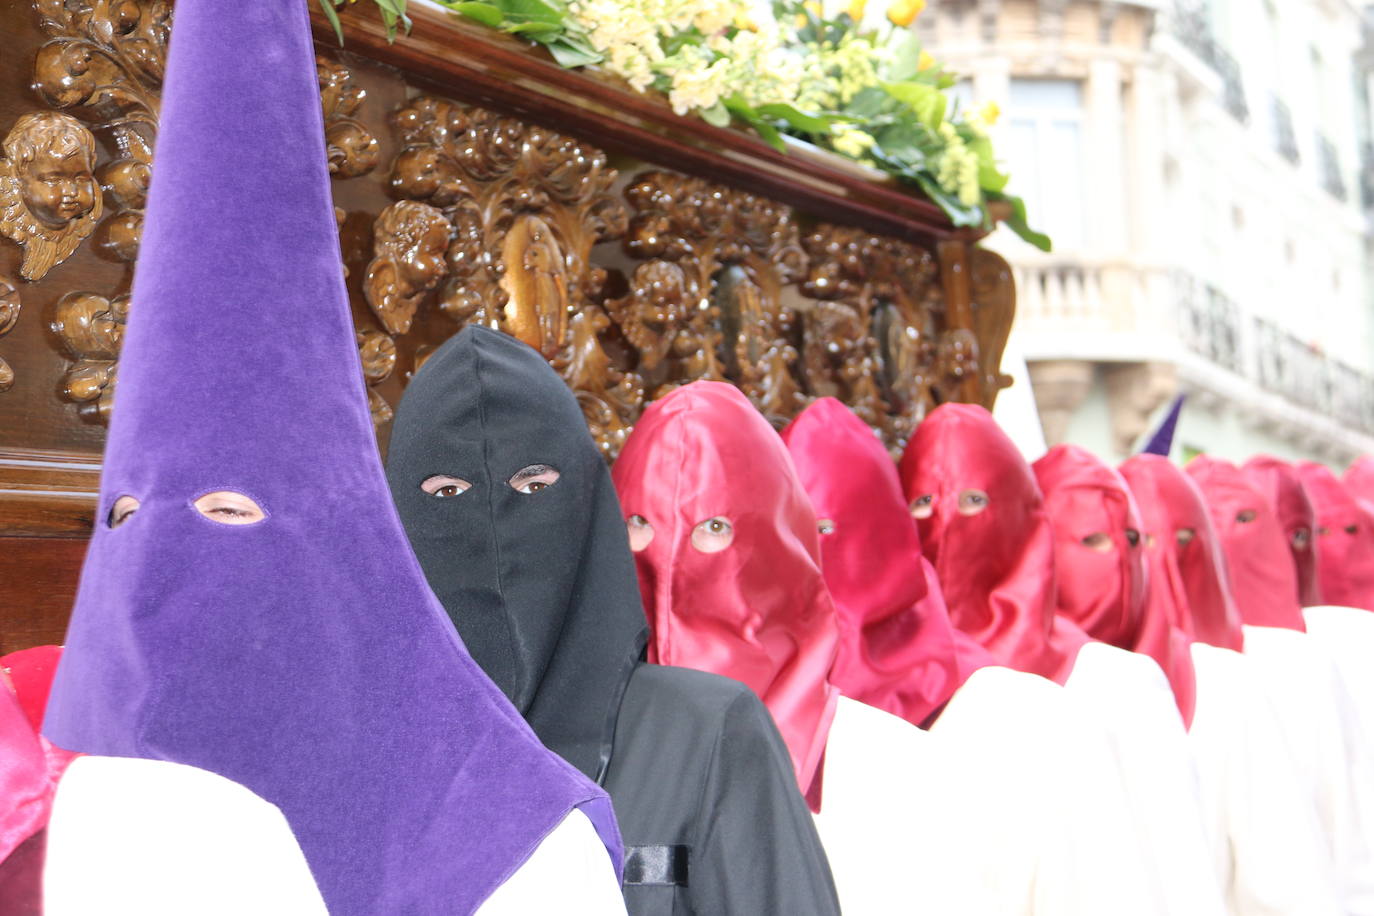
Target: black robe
x=542 y=588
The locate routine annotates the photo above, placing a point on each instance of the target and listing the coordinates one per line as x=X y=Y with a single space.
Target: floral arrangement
x=867 y=92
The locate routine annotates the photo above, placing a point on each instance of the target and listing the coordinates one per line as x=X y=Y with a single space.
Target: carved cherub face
x=49 y=200
x=54 y=161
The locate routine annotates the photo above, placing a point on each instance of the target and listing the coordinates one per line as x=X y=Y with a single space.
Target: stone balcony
x=1153 y=331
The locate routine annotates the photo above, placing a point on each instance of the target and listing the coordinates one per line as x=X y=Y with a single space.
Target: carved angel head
x=49 y=199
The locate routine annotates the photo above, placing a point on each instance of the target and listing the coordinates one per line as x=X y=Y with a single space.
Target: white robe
x=1010 y=806
x=1130 y=694
x=1272 y=853
x=152 y=838
x=1347 y=634
x=1326 y=739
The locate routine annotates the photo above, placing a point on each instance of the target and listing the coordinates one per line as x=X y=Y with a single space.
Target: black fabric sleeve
x=757 y=851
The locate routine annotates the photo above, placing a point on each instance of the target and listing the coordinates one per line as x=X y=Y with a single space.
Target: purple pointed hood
x=302 y=655
x=1161 y=441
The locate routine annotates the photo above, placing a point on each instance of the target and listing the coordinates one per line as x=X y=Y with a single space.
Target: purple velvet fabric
x=302 y=656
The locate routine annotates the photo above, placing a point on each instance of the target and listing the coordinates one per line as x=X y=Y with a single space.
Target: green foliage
x=393 y=14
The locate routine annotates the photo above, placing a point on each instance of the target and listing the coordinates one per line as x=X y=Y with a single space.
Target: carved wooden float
x=474 y=181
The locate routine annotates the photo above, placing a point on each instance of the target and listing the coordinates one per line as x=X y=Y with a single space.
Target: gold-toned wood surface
x=462 y=203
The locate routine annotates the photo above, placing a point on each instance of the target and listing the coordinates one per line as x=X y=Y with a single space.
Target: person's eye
x=533 y=478
x=1184 y=536
x=971 y=502
x=1323 y=531
x=1098 y=541
x=923 y=506
x=1301 y=538
x=640 y=531
x=713 y=535
x=229 y=508
x=445 y=487
x=1351 y=529
x=825 y=526
x=1132 y=537
x=1245 y=516
x=123 y=507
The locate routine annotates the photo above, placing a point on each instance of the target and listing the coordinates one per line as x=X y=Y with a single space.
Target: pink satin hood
x=758 y=610
x=996 y=564
x=1263 y=578
x=30 y=766
x=1187 y=567
x=898 y=650
x=1105 y=591
x=1344 y=541
x=1280 y=484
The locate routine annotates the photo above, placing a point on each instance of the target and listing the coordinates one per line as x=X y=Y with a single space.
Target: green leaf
x=535 y=30
x=926 y=101
x=908 y=145
x=533 y=11
x=795 y=118
x=332 y=15
x=717 y=115
x=485 y=13
x=571 y=54
x=679 y=40
x=736 y=105
x=1017 y=221
x=868 y=102
x=990 y=178
x=958 y=212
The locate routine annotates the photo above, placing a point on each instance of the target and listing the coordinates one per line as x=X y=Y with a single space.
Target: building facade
x=1205 y=172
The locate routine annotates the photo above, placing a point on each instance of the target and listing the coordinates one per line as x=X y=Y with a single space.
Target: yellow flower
x=852 y=142
x=925 y=61
x=989 y=113
x=814 y=8
x=856 y=9
x=904 y=11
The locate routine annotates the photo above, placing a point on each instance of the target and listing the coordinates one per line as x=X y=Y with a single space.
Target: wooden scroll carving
x=9 y=314
x=994 y=307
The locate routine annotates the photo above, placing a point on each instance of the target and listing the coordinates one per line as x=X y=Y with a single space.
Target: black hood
x=542 y=585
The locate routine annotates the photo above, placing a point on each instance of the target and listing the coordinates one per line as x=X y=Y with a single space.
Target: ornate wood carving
x=104 y=64
x=409 y=243
x=709 y=303
x=378 y=353
x=526 y=206
x=49 y=202
x=870 y=338
x=9 y=314
x=92 y=329
x=353 y=150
